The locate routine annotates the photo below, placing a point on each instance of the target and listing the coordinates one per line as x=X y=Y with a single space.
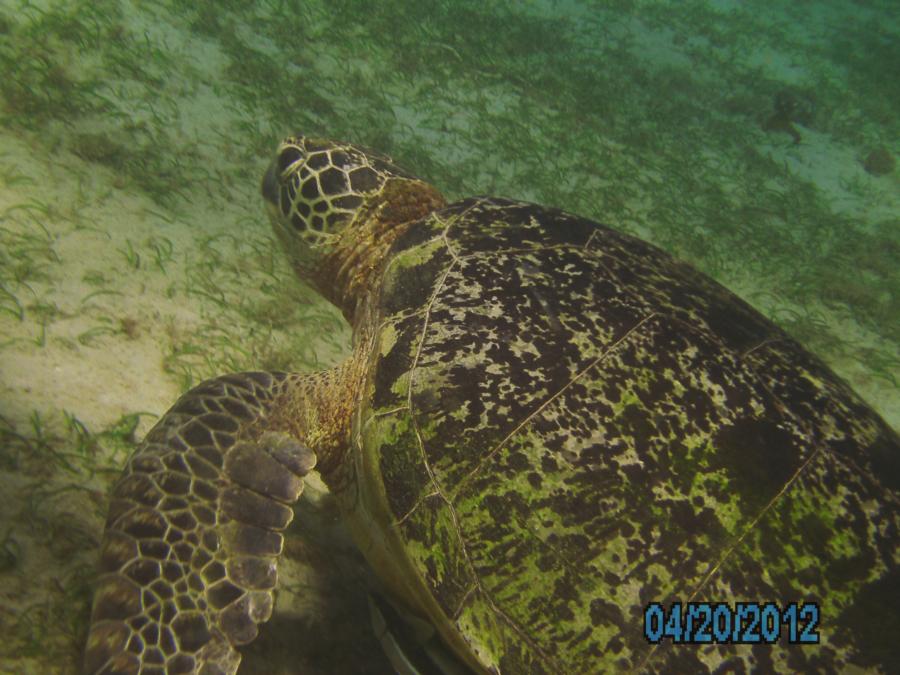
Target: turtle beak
x=270 y=185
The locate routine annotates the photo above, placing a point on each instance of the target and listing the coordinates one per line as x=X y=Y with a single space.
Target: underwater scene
x=755 y=141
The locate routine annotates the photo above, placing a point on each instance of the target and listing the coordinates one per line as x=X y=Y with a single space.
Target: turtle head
x=336 y=207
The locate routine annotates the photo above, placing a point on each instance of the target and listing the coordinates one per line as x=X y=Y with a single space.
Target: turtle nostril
x=270 y=185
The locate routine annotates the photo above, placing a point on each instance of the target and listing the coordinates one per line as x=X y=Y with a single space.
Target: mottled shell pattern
x=566 y=424
x=545 y=425
x=570 y=424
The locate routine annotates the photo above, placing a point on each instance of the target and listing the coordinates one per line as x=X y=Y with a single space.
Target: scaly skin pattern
x=193 y=532
x=569 y=424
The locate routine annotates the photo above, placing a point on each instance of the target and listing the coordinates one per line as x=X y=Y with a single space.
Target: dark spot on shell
x=758 y=457
x=518 y=461
x=498 y=509
x=426 y=400
x=816 y=534
x=851 y=568
x=874 y=621
x=886 y=461
x=549 y=464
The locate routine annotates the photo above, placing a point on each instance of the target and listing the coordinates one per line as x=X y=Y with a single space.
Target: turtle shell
x=565 y=424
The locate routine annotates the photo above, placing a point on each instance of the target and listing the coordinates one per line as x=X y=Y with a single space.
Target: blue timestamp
x=749 y=623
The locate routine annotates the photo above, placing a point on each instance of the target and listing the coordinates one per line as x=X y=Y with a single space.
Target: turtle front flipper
x=189 y=552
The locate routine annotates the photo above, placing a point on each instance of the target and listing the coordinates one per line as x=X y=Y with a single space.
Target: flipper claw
x=190 y=550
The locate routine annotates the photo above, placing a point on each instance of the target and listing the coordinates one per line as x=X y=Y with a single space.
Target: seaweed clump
x=790 y=108
x=879 y=162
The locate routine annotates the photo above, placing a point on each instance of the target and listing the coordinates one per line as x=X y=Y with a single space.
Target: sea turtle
x=545 y=425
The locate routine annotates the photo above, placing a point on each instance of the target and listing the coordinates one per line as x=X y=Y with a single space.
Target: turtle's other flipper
x=192 y=538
